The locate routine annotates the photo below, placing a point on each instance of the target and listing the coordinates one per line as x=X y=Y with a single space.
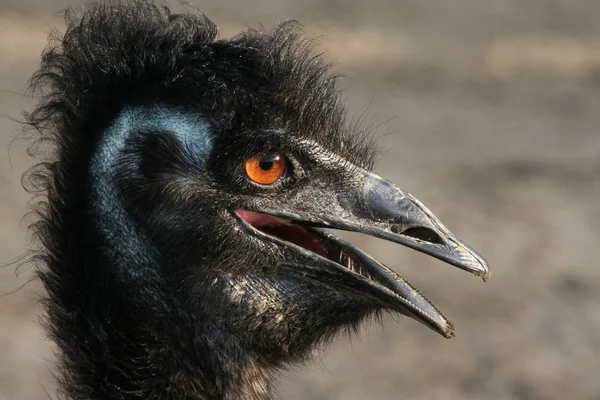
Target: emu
x=186 y=220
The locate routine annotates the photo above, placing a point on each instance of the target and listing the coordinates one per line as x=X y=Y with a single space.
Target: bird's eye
x=265 y=170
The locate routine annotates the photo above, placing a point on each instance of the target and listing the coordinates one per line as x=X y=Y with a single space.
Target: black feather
x=125 y=338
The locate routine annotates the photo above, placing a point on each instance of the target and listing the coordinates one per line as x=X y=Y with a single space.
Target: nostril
x=424 y=234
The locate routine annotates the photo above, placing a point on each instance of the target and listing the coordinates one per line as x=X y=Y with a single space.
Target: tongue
x=258 y=220
x=290 y=233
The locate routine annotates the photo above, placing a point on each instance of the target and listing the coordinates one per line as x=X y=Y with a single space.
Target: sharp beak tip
x=470 y=260
x=448 y=331
x=483 y=269
x=486 y=276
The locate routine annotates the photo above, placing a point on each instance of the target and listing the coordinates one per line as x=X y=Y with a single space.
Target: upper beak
x=379 y=208
x=396 y=215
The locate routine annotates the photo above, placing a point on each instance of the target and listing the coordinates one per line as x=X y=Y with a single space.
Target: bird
x=187 y=217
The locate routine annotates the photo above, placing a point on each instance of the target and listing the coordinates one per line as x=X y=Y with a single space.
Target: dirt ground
x=490 y=114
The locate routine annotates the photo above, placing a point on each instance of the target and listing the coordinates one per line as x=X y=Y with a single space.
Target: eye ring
x=265 y=169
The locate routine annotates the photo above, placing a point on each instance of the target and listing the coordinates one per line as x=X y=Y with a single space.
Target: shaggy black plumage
x=159 y=284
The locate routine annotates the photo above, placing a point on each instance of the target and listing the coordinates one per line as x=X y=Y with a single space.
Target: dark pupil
x=267 y=163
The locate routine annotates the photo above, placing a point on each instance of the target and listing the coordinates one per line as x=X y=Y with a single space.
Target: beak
x=378 y=208
x=395 y=215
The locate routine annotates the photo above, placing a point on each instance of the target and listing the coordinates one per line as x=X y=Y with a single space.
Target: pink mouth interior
x=288 y=232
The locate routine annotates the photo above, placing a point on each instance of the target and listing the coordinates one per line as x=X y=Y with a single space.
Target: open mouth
x=405 y=298
x=284 y=230
x=316 y=241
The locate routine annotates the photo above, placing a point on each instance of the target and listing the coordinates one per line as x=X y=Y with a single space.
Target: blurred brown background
x=490 y=114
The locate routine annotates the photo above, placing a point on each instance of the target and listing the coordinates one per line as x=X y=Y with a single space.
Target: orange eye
x=265 y=170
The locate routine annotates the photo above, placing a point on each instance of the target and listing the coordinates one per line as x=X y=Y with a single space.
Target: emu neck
x=121 y=330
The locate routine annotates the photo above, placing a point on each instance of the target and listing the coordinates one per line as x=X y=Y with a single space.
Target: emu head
x=195 y=193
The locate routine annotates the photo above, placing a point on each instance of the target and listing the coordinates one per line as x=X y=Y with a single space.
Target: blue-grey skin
x=120 y=232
